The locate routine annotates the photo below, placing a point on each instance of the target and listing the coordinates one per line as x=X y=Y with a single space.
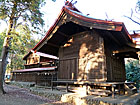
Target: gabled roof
x=42 y=55
x=46 y=55
x=136 y=38
x=71 y=17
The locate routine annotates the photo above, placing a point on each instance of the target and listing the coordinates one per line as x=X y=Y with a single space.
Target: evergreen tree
x=21 y=43
x=17 y=12
x=133 y=72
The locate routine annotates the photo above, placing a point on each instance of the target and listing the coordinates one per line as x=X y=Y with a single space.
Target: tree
x=21 y=38
x=133 y=72
x=1 y=42
x=17 y=12
x=134 y=17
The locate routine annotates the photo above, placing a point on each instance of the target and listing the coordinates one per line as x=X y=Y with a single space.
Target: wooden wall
x=35 y=61
x=39 y=78
x=44 y=59
x=115 y=67
x=24 y=77
x=68 y=69
x=82 y=58
x=32 y=58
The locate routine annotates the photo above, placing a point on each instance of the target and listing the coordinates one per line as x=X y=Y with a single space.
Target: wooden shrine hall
x=40 y=68
x=90 y=51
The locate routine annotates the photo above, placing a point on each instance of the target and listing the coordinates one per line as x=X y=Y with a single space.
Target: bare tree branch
x=132 y=20
x=131 y=12
x=137 y=17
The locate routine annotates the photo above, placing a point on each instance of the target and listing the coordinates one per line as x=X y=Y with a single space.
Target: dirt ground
x=21 y=96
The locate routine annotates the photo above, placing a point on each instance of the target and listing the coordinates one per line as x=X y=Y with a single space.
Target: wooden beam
x=63 y=34
x=112 y=37
x=123 y=50
x=54 y=45
x=126 y=37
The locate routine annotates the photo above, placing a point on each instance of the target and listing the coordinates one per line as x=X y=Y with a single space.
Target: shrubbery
x=133 y=72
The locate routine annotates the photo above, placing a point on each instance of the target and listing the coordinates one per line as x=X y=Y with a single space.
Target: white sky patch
x=3 y=26
x=115 y=10
x=51 y=10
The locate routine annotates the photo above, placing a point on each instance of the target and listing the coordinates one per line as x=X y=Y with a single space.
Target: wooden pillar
x=119 y=88
x=124 y=88
x=52 y=85
x=67 y=85
x=52 y=77
x=113 y=90
x=36 y=78
x=87 y=89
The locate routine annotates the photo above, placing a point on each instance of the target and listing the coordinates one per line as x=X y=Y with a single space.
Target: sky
x=98 y=9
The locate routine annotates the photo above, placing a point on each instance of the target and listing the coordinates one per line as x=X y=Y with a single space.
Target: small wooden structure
x=38 y=59
x=136 y=39
x=39 y=68
x=90 y=50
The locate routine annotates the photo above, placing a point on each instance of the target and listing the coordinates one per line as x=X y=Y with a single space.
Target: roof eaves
x=47 y=34
x=24 y=58
x=118 y=25
x=50 y=30
x=127 y=33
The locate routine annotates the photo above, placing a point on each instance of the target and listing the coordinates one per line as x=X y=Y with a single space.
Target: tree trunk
x=3 y=67
x=3 y=60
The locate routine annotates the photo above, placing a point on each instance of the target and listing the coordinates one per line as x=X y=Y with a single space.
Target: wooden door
x=68 y=69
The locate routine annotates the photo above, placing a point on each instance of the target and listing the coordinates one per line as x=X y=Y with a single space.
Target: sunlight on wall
x=92 y=59
x=69 y=42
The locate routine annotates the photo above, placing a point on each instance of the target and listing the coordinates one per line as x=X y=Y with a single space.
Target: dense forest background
x=22 y=41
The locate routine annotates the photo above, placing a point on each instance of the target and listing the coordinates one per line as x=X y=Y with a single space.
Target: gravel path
x=21 y=96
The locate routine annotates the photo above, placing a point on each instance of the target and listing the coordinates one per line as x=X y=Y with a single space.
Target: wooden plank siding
x=40 y=78
x=33 y=58
x=68 y=68
x=24 y=77
x=82 y=58
x=115 y=67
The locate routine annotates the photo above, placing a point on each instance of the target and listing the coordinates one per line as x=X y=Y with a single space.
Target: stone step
x=99 y=94
x=100 y=90
x=130 y=88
